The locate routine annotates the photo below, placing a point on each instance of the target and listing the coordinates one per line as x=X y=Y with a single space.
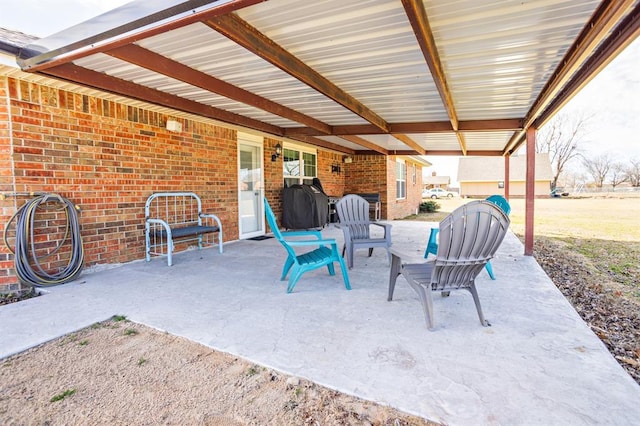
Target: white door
x=250 y=187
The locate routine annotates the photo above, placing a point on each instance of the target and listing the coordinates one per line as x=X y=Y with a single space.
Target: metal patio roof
x=409 y=77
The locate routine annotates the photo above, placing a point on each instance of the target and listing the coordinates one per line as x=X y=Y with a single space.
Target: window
x=401 y=180
x=299 y=165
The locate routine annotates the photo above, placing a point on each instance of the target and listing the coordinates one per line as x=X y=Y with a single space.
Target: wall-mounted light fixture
x=348 y=159
x=274 y=157
x=335 y=168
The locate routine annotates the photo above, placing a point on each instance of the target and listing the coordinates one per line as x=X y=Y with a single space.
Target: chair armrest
x=407 y=256
x=386 y=226
x=286 y=234
x=311 y=242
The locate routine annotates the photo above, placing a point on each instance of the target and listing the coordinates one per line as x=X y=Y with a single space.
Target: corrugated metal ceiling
x=331 y=70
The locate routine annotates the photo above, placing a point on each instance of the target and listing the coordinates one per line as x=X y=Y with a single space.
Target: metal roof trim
x=135 y=16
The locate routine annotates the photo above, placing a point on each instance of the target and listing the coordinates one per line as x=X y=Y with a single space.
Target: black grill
x=304 y=207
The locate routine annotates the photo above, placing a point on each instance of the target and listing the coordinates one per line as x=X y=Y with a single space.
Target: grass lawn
x=604 y=230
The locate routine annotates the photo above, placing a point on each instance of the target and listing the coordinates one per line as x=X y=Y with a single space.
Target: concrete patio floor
x=538 y=363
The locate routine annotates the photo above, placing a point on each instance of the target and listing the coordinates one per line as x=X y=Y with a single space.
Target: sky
x=612 y=98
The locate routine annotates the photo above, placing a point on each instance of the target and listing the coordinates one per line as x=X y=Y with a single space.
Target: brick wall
x=377 y=173
x=108 y=158
x=368 y=174
x=400 y=208
x=333 y=183
x=6 y=182
x=273 y=179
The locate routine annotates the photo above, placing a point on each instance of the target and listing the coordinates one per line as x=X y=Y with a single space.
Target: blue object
x=432 y=245
x=298 y=264
x=504 y=205
x=501 y=202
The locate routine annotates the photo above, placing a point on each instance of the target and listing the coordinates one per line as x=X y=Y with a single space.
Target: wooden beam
x=462 y=143
x=530 y=191
x=239 y=31
x=454 y=153
x=105 y=82
x=448 y=153
x=490 y=125
x=622 y=37
x=556 y=93
x=371 y=152
x=425 y=127
x=409 y=142
x=422 y=127
x=420 y=23
x=136 y=30
x=605 y=18
x=365 y=143
x=150 y=60
x=324 y=144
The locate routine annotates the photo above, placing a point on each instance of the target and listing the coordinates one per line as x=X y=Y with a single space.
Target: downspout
x=530 y=186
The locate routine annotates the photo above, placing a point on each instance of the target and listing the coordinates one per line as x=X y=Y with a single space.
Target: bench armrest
x=215 y=218
x=164 y=224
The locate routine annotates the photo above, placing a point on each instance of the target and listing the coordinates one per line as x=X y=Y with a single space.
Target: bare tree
x=617 y=175
x=598 y=168
x=633 y=172
x=561 y=138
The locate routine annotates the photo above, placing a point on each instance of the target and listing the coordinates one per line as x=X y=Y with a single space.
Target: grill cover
x=304 y=207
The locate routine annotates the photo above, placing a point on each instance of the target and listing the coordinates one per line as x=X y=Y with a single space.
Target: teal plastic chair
x=432 y=244
x=298 y=264
x=501 y=202
x=504 y=205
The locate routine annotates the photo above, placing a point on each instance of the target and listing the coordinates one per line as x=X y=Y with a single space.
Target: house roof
x=409 y=77
x=491 y=169
x=13 y=41
x=436 y=180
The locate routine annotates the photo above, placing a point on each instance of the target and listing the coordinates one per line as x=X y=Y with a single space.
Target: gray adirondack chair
x=353 y=216
x=469 y=238
x=432 y=245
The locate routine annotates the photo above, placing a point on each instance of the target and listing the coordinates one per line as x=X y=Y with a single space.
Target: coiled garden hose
x=27 y=263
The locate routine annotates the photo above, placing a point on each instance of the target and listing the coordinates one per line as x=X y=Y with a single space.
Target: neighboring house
x=484 y=176
x=435 y=181
x=108 y=153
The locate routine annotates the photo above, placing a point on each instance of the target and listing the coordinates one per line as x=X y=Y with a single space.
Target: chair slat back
x=469 y=238
x=353 y=211
x=271 y=219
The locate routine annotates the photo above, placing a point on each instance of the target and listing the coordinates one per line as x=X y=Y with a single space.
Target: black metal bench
x=177 y=215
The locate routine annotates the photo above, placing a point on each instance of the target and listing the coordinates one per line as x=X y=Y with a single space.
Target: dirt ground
x=121 y=373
